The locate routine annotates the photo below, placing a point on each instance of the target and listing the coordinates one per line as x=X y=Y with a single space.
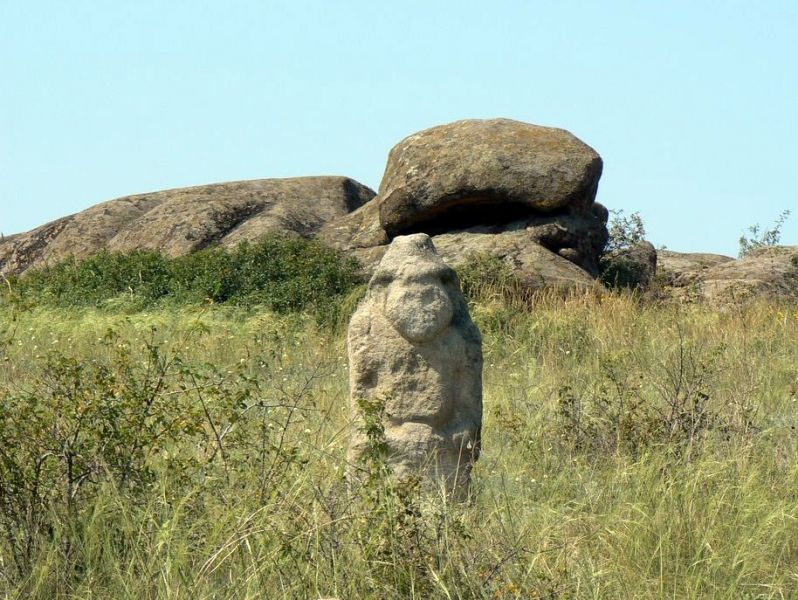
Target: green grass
x=631 y=450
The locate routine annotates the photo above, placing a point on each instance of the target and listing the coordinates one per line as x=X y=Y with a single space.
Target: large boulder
x=415 y=359
x=767 y=272
x=80 y=235
x=521 y=192
x=359 y=229
x=469 y=172
x=188 y=219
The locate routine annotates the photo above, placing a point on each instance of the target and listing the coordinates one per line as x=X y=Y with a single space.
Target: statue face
x=420 y=309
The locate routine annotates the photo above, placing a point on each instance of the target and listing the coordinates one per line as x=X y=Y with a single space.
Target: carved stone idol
x=414 y=350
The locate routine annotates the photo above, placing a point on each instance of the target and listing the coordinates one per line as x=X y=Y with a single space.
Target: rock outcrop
x=518 y=192
x=534 y=266
x=414 y=349
x=185 y=220
x=521 y=192
x=682 y=269
x=767 y=272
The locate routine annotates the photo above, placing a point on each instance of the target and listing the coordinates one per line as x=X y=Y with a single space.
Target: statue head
x=416 y=288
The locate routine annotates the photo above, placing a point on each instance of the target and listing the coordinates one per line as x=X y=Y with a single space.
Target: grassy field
x=631 y=450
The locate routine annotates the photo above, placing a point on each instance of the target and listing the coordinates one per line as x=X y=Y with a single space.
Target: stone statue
x=414 y=348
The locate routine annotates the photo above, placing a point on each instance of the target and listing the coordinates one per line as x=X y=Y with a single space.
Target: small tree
x=620 y=267
x=760 y=238
x=624 y=231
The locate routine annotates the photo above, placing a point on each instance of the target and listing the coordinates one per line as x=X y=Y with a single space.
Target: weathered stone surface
x=80 y=235
x=6 y=243
x=521 y=192
x=413 y=346
x=519 y=244
x=770 y=273
x=535 y=266
x=684 y=268
x=472 y=171
x=359 y=229
x=579 y=238
x=188 y=219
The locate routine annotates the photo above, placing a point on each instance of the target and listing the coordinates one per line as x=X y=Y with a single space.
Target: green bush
x=485 y=278
x=623 y=271
x=126 y=420
x=620 y=266
x=144 y=274
x=283 y=274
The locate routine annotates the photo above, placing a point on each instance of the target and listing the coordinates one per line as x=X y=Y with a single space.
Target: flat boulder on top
x=460 y=174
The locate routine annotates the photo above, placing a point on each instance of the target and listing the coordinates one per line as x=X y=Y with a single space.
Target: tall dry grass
x=631 y=450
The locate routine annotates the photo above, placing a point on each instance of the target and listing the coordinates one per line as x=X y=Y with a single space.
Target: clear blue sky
x=692 y=104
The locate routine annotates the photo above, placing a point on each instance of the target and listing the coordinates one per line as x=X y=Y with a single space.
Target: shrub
x=629 y=410
x=623 y=263
x=131 y=419
x=620 y=272
x=283 y=274
x=143 y=274
x=485 y=277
